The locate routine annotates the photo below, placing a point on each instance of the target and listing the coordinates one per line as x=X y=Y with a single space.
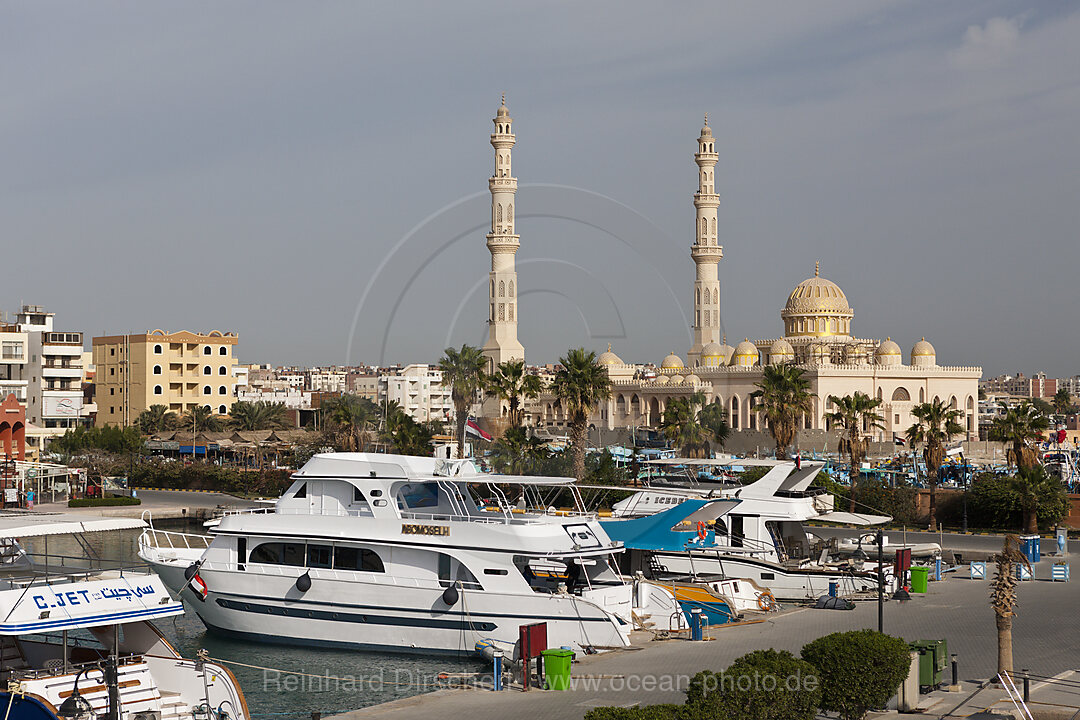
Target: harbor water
x=279 y=681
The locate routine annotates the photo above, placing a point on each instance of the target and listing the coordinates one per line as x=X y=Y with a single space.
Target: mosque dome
x=692 y=379
x=888 y=353
x=503 y=112
x=714 y=355
x=746 y=354
x=609 y=358
x=923 y=354
x=672 y=362
x=817 y=307
x=676 y=380
x=661 y=380
x=781 y=352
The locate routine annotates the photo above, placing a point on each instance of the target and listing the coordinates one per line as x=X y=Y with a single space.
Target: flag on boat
x=898 y=440
x=471 y=428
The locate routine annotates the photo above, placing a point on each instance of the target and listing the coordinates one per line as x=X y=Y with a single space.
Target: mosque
x=817 y=336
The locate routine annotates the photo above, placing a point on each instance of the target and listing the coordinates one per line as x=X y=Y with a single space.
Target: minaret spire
x=502 y=242
x=706 y=251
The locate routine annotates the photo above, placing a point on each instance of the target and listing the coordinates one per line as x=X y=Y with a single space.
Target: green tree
x=352 y=416
x=855 y=414
x=1038 y=493
x=780 y=687
x=515 y=453
x=155 y=419
x=680 y=425
x=463 y=371
x=580 y=385
x=200 y=418
x=784 y=394
x=407 y=436
x=1003 y=598
x=259 y=415
x=510 y=382
x=1063 y=403
x=1018 y=426
x=859 y=670
x=936 y=424
x=714 y=418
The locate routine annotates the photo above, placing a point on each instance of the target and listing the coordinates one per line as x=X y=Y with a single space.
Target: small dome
x=692 y=379
x=676 y=380
x=781 y=352
x=888 y=353
x=672 y=362
x=923 y=354
x=503 y=112
x=609 y=358
x=746 y=354
x=712 y=350
x=661 y=380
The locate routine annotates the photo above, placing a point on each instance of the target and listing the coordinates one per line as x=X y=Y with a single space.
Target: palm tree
x=681 y=424
x=353 y=415
x=1018 y=426
x=1063 y=402
x=785 y=396
x=200 y=417
x=156 y=418
x=406 y=435
x=1036 y=489
x=511 y=383
x=714 y=418
x=259 y=415
x=463 y=371
x=936 y=424
x=580 y=385
x=518 y=454
x=1003 y=598
x=855 y=414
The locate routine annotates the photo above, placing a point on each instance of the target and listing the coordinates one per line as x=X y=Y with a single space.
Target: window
x=241 y=553
x=222 y=371
x=12 y=350
x=452 y=572
x=222 y=390
x=157 y=349
x=223 y=350
x=318 y=556
x=207 y=371
x=301 y=492
x=222 y=410
x=112 y=371
x=361 y=559
x=112 y=391
x=277 y=553
x=206 y=390
x=112 y=352
x=206 y=350
x=157 y=369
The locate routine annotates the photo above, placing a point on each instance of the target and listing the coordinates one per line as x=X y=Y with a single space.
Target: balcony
x=58 y=371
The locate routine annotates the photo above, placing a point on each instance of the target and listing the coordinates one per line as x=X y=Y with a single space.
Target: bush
x=762 y=685
x=995 y=503
x=648 y=712
x=103 y=502
x=859 y=670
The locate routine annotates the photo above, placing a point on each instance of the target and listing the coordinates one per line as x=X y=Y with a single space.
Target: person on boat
x=798 y=461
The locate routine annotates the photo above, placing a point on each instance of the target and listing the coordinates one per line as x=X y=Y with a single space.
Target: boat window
x=494 y=571
x=419 y=495
x=376 y=493
x=241 y=552
x=302 y=492
x=358 y=496
x=276 y=553
x=318 y=556
x=362 y=559
x=452 y=572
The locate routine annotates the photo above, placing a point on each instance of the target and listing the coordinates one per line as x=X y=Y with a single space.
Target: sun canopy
x=852 y=518
x=657 y=532
x=521 y=480
x=37 y=524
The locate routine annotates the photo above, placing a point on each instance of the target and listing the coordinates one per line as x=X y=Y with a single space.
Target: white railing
x=151 y=537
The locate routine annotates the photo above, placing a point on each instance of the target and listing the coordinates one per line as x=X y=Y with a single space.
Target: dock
x=162 y=504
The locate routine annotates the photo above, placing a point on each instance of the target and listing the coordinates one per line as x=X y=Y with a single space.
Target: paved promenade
x=1045 y=640
x=163 y=504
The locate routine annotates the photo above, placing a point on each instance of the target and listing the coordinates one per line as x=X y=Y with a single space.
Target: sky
x=313 y=176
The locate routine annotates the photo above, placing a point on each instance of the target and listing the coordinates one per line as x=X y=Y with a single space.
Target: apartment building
x=13 y=359
x=180 y=370
x=418 y=389
x=1036 y=386
x=54 y=373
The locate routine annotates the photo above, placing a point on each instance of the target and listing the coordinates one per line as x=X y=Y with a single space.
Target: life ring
x=701 y=529
x=766 y=601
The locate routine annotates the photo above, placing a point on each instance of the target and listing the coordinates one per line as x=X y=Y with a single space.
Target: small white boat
x=868 y=544
x=81 y=643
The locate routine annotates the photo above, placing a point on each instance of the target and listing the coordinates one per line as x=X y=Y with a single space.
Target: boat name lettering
x=86 y=597
x=407 y=529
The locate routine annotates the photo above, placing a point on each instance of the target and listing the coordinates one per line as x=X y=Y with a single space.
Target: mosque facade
x=817 y=321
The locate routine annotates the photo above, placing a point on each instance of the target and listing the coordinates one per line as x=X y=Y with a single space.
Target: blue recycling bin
x=1030 y=547
x=834 y=588
x=697 y=625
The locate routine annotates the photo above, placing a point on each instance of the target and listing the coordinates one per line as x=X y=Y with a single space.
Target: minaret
x=706 y=251
x=502 y=343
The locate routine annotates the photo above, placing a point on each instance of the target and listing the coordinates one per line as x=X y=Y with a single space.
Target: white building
x=329 y=380
x=13 y=359
x=55 y=373
x=418 y=389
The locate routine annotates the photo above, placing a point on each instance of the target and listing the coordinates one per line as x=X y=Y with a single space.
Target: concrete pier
x=162 y=504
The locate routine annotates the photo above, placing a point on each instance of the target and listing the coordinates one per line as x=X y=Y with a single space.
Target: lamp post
x=881 y=583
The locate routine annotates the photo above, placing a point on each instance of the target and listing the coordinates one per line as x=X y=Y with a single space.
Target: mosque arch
x=901 y=394
x=654 y=409
x=734 y=412
x=502 y=288
x=510 y=212
x=498 y=213
x=922 y=396
x=511 y=288
x=751 y=416
x=620 y=404
x=635 y=404
x=952 y=402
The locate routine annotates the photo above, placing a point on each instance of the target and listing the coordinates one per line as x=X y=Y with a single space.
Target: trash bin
x=933 y=656
x=557 y=668
x=920 y=578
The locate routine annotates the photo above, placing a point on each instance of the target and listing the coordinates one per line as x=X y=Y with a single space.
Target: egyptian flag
x=471 y=428
x=897 y=440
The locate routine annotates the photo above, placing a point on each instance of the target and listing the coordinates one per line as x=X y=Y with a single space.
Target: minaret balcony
x=706 y=158
x=503 y=183
x=706 y=252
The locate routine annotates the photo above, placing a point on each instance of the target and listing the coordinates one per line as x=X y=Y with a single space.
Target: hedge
x=761 y=685
x=646 y=712
x=103 y=502
x=859 y=670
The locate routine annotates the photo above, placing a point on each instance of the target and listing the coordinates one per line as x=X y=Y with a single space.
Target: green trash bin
x=920 y=579
x=557 y=668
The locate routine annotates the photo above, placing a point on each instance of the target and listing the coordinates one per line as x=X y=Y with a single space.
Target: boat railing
x=152 y=537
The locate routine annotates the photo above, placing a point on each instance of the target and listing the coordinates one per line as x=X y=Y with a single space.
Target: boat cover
x=657 y=532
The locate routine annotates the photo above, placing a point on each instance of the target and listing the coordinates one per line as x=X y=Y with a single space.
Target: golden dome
x=746 y=354
x=672 y=362
x=817 y=307
x=781 y=352
x=888 y=353
x=609 y=358
x=923 y=349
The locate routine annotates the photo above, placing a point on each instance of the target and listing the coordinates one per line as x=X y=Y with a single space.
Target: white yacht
x=398 y=553
x=77 y=638
x=760 y=535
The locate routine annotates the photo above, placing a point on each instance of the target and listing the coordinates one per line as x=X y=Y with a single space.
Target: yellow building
x=179 y=370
